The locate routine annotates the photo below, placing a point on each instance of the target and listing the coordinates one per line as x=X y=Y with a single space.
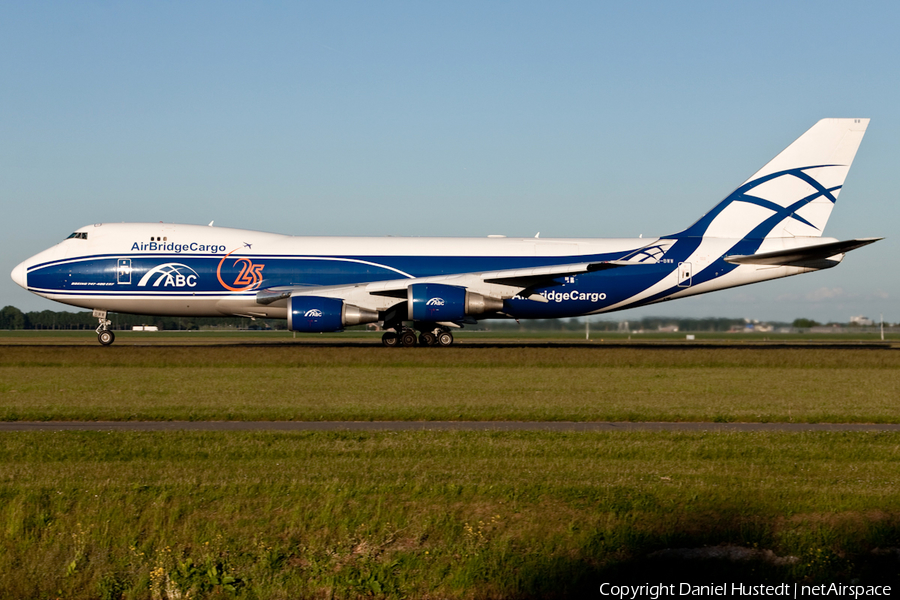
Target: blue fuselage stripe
x=178 y=275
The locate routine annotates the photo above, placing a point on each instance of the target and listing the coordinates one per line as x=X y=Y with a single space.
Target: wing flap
x=520 y=278
x=529 y=277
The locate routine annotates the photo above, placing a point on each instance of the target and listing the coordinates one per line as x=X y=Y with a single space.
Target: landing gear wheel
x=106 y=337
x=408 y=338
x=390 y=339
x=427 y=339
x=445 y=338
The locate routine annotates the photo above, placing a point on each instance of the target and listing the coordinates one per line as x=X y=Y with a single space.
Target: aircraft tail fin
x=792 y=196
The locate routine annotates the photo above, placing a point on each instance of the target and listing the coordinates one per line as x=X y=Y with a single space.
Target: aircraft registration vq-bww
x=769 y=227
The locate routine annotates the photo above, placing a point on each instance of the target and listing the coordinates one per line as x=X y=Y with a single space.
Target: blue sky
x=579 y=119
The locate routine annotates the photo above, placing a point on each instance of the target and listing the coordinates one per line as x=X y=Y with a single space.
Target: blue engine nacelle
x=440 y=302
x=316 y=314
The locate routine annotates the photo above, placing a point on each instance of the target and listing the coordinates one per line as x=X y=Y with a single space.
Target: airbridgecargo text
x=784 y=590
x=573 y=295
x=555 y=296
x=176 y=248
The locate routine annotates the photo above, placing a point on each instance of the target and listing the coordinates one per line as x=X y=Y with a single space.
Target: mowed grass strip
x=530 y=384
x=436 y=514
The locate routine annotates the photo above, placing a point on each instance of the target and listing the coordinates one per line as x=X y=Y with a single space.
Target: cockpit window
x=78 y=235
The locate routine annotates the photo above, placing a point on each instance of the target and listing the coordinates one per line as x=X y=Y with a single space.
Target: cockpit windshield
x=78 y=235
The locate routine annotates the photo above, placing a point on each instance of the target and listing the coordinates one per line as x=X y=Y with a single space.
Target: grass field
x=442 y=514
x=225 y=336
x=483 y=382
x=437 y=514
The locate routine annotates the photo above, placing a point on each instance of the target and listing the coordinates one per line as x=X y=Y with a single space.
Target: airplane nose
x=19 y=275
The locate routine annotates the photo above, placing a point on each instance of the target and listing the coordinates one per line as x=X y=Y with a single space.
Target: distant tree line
x=805 y=323
x=13 y=318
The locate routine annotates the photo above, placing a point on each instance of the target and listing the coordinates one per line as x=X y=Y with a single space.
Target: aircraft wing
x=502 y=284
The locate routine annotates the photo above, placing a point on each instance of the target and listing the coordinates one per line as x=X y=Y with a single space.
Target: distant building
x=861 y=321
x=751 y=326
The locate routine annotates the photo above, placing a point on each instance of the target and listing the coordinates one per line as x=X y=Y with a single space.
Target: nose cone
x=19 y=275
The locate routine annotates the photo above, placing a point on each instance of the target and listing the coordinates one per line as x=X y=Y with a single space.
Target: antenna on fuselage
x=211 y=222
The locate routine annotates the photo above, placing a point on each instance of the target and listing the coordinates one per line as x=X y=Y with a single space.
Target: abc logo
x=170 y=275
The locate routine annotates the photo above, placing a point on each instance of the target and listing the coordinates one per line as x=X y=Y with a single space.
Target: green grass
x=435 y=514
x=262 y=382
x=205 y=337
x=440 y=514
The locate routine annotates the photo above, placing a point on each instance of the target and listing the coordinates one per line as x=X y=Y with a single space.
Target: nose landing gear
x=104 y=335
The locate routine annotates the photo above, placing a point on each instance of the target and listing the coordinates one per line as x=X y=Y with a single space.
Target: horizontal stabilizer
x=805 y=254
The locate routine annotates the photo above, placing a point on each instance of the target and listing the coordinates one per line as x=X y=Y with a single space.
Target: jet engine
x=441 y=302
x=316 y=314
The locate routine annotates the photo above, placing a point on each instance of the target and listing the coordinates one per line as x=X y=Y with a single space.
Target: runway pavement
x=560 y=426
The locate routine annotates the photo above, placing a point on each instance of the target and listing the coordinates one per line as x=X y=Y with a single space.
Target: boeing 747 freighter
x=769 y=227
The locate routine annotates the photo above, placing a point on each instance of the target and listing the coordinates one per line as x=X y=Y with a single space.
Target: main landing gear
x=104 y=335
x=439 y=336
